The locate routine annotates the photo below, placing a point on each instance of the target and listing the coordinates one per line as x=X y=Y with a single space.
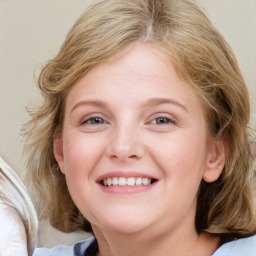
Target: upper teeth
x=115 y=181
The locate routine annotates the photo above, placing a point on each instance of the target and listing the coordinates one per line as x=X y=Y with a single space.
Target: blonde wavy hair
x=104 y=32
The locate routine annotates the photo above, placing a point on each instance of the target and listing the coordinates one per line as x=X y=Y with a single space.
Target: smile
x=130 y=181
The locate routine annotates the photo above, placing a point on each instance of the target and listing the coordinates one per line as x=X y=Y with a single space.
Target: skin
x=136 y=116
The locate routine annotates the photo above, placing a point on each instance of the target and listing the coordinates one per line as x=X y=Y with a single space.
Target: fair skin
x=136 y=118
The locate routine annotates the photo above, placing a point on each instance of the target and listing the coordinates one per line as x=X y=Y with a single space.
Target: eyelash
x=159 y=121
x=162 y=120
x=91 y=119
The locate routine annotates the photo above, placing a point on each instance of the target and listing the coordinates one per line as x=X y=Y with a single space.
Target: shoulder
x=64 y=250
x=238 y=247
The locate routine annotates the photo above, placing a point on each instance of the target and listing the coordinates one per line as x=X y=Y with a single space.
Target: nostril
x=133 y=156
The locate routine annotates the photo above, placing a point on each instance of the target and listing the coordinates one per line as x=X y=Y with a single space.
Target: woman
x=142 y=136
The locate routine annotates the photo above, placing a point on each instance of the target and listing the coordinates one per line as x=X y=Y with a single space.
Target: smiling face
x=134 y=145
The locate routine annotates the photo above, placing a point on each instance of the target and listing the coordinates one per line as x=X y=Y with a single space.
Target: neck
x=154 y=243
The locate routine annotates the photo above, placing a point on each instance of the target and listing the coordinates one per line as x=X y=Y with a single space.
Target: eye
x=162 y=121
x=94 y=121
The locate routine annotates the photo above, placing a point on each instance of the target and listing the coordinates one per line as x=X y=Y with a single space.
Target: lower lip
x=126 y=189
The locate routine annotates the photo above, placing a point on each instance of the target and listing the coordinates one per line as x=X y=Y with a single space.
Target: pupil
x=97 y=121
x=162 y=121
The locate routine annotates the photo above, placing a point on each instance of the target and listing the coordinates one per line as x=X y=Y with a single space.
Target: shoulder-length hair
x=105 y=31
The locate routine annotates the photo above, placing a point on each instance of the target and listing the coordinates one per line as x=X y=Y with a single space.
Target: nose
x=125 y=143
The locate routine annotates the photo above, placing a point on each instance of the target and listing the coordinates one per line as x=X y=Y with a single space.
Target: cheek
x=78 y=158
x=182 y=156
x=82 y=155
x=80 y=149
x=183 y=167
x=78 y=163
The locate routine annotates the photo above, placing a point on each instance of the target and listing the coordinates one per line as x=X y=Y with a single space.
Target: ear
x=215 y=160
x=58 y=151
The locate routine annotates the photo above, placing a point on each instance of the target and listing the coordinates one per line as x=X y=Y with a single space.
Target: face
x=134 y=145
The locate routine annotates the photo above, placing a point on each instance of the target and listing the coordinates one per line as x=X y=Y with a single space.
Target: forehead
x=143 y=72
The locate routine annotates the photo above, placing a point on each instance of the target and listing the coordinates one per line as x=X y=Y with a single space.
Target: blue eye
x=162 y=121
x=94 y=121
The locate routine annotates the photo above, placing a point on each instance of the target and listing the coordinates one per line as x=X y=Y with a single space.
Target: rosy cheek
x=79 y=154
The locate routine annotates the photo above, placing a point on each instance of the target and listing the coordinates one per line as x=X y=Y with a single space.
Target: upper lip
x=125 y=174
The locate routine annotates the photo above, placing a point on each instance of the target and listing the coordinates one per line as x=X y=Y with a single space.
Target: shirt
x=89 y=247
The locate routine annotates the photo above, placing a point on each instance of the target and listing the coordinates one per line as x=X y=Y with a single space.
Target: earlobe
x=215 y=161
x=58 y=151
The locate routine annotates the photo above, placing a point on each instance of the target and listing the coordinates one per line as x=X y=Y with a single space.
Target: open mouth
x=130 y=181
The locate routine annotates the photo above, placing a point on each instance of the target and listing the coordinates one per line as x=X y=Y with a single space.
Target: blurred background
x=32 y=31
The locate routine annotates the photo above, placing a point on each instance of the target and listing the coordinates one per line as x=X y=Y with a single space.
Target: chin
x=123 y=224
x=127 y=228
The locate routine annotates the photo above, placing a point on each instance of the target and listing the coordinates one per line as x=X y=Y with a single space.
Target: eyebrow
x=96 y=103
x=160 y=101
x=149 y=102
